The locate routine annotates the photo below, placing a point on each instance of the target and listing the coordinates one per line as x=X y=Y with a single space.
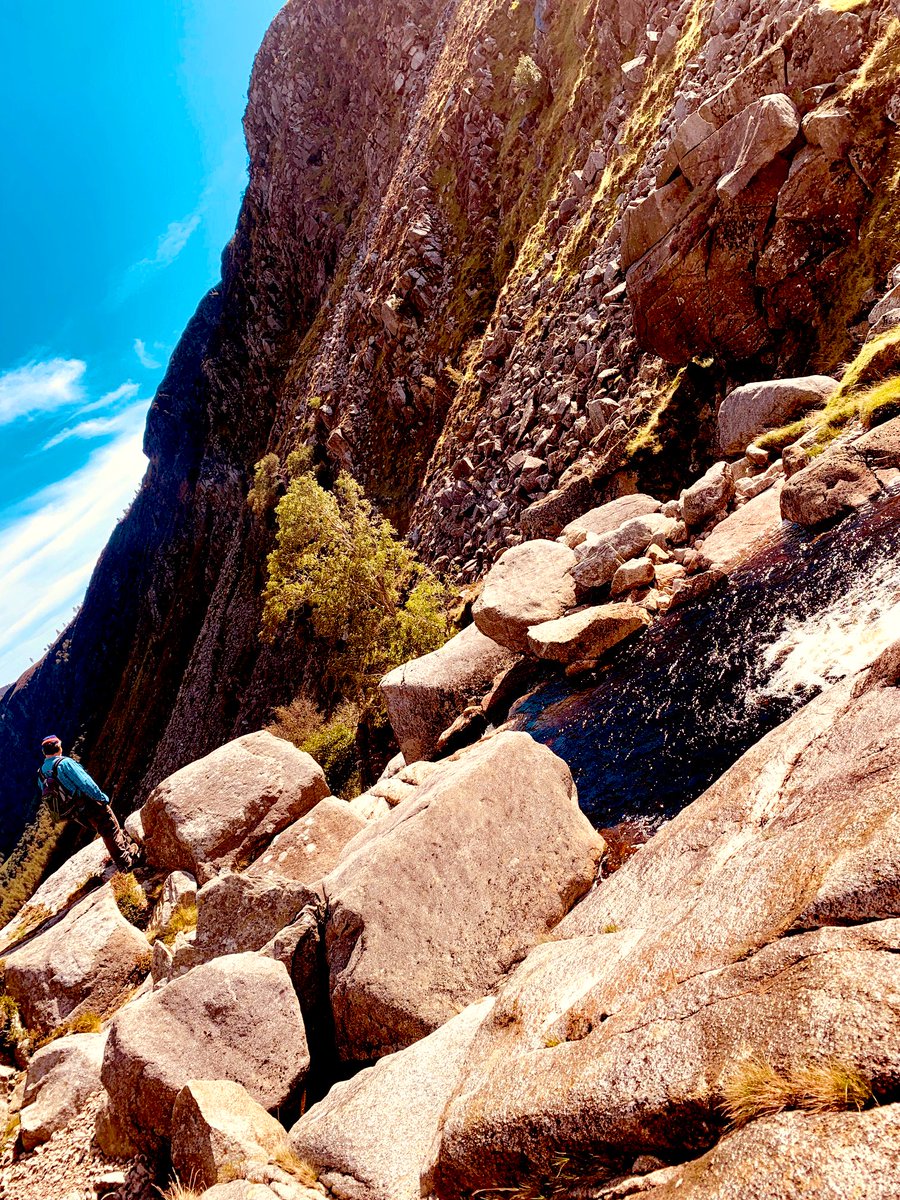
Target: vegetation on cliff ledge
x=339 y=572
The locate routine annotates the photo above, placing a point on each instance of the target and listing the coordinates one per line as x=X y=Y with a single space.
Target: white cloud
x=125 y=391
x=128 y=419
x=48 y=552
x=173 y=241
x=144 y=356
x=40 y=387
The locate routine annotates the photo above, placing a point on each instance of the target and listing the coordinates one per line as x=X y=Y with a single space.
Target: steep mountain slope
x=487 y=249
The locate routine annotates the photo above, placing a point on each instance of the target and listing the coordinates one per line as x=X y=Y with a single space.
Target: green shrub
x=22 y=872
x=333 y=746
x=264 y=492
x=10 y=1026
x=369 y=603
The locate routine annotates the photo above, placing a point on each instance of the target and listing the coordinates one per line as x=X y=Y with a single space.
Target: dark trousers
x=103 y=820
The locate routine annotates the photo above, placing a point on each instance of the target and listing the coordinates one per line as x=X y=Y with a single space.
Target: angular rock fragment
x=62 y=1076
x=709 y=496
x=309 y=848
x=604 y=554
x=235 y=1018
x=83 y=962
x=425 y=695
x=586 y=634
x=608 y=517
x=528 y=584
x=434 y=903
x=222 y=810
x=217 y=1129
x=236 y=913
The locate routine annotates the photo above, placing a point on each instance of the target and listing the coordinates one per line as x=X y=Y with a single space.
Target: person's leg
x=104 y=821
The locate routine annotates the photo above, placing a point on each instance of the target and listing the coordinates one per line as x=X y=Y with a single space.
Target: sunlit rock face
x=474 y=255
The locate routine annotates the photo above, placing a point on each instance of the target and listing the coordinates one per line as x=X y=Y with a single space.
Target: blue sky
x=124 y=164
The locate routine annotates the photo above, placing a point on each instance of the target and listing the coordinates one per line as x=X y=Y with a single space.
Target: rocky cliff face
x=500 y=260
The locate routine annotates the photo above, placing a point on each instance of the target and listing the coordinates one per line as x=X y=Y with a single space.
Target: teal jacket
x=73 y=778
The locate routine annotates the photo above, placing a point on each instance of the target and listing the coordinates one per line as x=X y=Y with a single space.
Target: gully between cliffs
x=672 y=710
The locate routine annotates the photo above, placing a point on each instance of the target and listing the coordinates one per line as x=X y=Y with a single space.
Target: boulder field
x=485 y=1010
x=567 y=290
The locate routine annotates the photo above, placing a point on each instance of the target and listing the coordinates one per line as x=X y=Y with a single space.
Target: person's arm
x=75 y=778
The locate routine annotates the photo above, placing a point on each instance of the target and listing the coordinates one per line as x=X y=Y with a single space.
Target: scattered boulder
x=84 y=962
x=709 y=497
x=880 y=447
x=373 y=1134
x=743 y=533
x=425 y=695
x=61 y=1077
x=217 y=1129
x=586 y=634
x=234 y=1018
x=528 y=584
x=58 y=891
x=309 y=848
x=432 y=906
x=222 y=810
x=754 y=408
x=636 y=573
x=603 y=554
x=776 y=1158
x=609 y=517
x=243 y=912
x=832 y=486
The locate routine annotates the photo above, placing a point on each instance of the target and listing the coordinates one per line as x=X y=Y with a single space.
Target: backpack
x=59 y=802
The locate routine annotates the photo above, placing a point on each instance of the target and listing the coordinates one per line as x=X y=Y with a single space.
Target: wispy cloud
x=145 y=358
x=40 y=387
x=48 y=551
x=128 y=419
x=125 y=391
x=173 y=241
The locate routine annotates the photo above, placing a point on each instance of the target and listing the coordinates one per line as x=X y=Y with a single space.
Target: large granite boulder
x=750 y=410
x=82 y=963
x=527 y=584
x=781 y=1157
x=224 y=809
x=217 y=1129
x=437 y=900
x=309 y=848
x=834 y=485
x=373 y=1134
x=586 y=634
x=59 y=891
x=235 y=1018
x=426 y=695
x=651 y=1077
x=61 y=1077
x=620 y=1034
x=243 y=912
x=608 y=517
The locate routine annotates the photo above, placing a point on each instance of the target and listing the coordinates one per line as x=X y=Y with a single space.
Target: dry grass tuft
x=130 y=898
x=294 y=1165
x=755 y=1088
x=179 y=1191
x=182 y=920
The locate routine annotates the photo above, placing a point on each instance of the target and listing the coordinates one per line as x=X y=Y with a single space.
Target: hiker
x=76 y=794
